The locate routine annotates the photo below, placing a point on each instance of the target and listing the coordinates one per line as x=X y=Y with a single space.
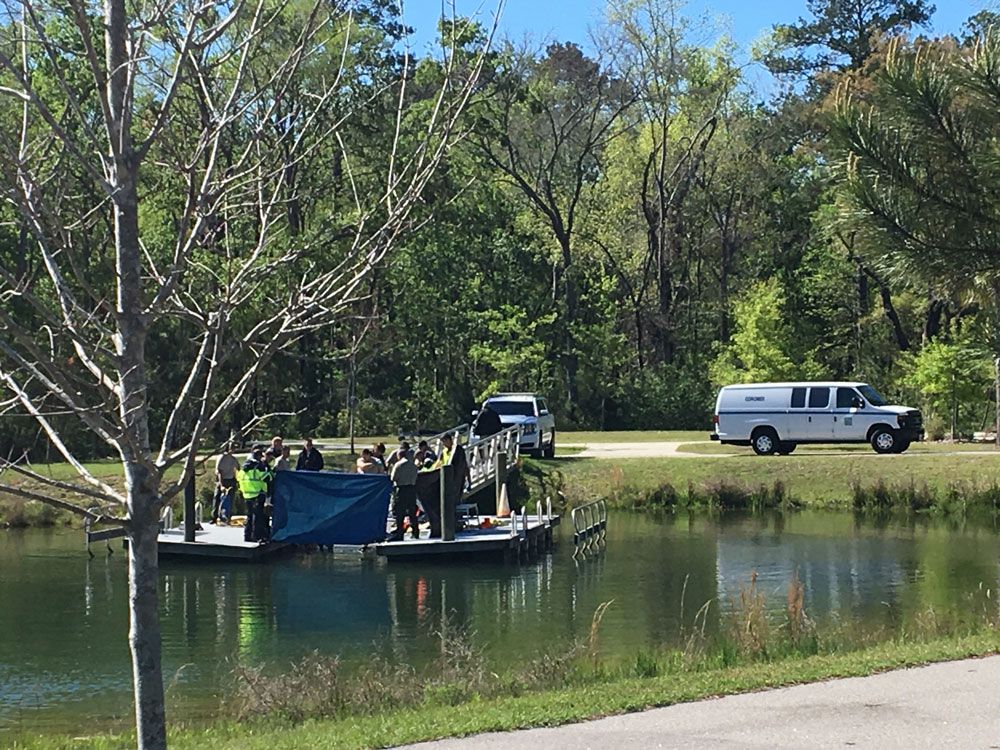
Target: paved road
x=638 y=450
x=950 y=705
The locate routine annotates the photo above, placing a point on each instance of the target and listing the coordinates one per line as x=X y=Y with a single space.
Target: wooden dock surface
x=219 y=542
x=475 y=541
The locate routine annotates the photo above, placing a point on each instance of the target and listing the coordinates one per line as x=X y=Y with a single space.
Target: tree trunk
x=570 y=359
x=996 y=395
x=902 y=340
x=144 y=625
x=141 y=479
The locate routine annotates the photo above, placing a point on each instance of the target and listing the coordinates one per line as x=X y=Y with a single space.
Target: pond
x=63 y=622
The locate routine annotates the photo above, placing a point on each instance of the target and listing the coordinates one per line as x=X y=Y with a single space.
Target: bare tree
x=191 y=99
x=646 y=41
x=545 y=129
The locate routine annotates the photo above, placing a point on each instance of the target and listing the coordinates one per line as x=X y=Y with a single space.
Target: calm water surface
x=63 y=620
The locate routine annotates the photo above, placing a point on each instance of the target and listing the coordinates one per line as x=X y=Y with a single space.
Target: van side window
x=846 y=397
x=819 y=398
x=798 y=398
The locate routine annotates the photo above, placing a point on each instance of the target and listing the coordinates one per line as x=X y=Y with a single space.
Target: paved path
x=638 y=450
x=949 y=705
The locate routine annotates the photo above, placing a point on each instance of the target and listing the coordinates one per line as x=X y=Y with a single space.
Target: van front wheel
x=764 y=441
x=884 y=440
x=786 y=449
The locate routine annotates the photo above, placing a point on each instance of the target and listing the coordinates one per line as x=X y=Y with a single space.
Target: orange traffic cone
x=503 y=504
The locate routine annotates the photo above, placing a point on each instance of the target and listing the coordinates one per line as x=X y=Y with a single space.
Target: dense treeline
x=628 y=227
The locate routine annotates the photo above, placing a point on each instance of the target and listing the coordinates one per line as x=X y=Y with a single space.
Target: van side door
x=847 y=425
x=820 y=417
x=798 y=418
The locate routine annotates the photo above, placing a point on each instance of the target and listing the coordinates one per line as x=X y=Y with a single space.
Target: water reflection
x=63 y=654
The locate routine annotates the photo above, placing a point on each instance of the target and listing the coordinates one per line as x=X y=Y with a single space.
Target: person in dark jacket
x=310 y=459
x=487 y=423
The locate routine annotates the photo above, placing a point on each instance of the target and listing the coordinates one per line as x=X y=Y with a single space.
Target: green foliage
x=513 y=354
x=620 y=232
x=841 y=34
x=951 y=374
x=762 y=347
x=919 y=159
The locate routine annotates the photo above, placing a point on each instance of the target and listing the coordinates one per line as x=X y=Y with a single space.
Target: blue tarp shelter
x=328 y=507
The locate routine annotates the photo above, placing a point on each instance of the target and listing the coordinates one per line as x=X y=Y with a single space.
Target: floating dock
x=218 y=542
x=510 y=538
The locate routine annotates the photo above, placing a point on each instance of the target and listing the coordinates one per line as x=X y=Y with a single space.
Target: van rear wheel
x=764 y=441
x=884 y=440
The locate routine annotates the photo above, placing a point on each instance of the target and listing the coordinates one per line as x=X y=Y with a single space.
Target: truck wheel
x=764 y=441
x=884 y=440
x=786 y=449
x=550 y=449
x=901 y=446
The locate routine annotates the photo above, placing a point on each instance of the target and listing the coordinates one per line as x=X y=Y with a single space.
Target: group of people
x=415 y=475
x=374 y=461
x=254 y=479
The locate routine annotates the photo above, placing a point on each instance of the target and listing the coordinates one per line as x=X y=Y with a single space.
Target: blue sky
x=569 y=20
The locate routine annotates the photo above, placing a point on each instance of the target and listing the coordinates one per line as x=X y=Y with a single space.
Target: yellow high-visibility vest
x=253 y=482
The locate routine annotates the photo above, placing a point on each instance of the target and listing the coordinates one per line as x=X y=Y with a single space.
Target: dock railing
x=483 y=454
x=590 y=523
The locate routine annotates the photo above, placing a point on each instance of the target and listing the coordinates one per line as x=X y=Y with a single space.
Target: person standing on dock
x=399 y=453
x=487 y=423
x=310 y=459
x=254 y=479
x=404 y=479
x=284 y=462
x=226 y=466
x=378 y=456
x=274 y=452
x=424 y=454
x=366 y=463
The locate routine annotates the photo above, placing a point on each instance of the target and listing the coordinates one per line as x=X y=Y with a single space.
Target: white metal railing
x=482 y=455
x=590 y=523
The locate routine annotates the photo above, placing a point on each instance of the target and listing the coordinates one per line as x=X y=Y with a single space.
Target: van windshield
x=873 y=397
x=513 y=408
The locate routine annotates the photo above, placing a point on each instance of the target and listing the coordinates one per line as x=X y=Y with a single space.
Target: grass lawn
x=818 y=479
x=603 y=697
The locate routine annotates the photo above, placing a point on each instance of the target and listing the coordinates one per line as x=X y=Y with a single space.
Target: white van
x=776 y=417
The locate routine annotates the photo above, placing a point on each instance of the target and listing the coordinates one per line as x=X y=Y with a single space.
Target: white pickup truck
x=529 y=410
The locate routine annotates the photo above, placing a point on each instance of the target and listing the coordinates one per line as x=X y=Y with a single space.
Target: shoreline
x=600 y=698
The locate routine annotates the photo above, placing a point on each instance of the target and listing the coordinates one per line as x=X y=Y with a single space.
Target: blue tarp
x=327 y=507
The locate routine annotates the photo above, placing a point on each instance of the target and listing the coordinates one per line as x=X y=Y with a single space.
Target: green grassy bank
x=829 y=479
x=611 y=694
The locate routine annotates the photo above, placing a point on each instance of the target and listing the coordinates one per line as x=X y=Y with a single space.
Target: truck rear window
x=513 y=408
